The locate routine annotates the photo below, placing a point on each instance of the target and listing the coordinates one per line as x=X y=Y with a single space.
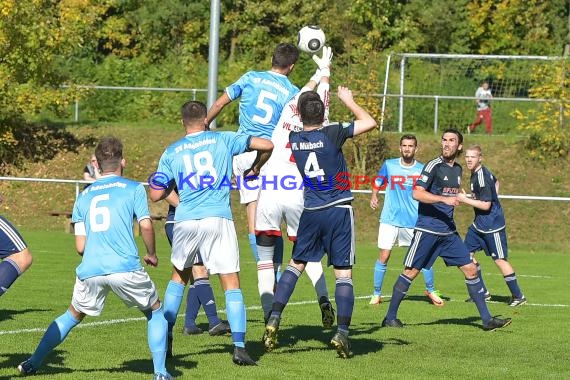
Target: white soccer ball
x=311 y=39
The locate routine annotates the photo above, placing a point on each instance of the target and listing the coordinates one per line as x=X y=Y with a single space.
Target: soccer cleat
x=392 y=323
x=487 y=297
x=270 y=335
x=340 y=342
x=163 y=376
x=241 y=357
x=496 y=323
x=327 y=314
x=169 y=340
x=221 y=328
x=26 y=368
x=435 y=297
x=191 y=330
x=375 y=300
x=517 y=301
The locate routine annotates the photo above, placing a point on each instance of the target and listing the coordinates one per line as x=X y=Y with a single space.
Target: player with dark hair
x=200 y=164
x=435 y=233
x=488 y=231
x=103 y=217
x=282 y=203
x=327 y=221
x=399 y=214
x=263 y=95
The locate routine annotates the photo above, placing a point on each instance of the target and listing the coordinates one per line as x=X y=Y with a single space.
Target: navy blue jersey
x=440 y=179
x=483 y=188
x=318 y=156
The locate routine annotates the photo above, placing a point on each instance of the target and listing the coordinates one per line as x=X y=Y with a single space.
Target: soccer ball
x=311 y=39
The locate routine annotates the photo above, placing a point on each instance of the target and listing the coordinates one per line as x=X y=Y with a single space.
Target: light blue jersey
x=201 y=165
x=263 y=96
x=107 y=208
x=400 y=209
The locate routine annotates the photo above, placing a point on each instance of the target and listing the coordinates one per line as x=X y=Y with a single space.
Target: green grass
x=443 y=342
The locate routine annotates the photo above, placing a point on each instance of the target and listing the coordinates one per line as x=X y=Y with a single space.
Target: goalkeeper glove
x=324 y=62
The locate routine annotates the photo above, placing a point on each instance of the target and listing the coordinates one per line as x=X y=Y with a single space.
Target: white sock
x=315 y=272
x=265 y=283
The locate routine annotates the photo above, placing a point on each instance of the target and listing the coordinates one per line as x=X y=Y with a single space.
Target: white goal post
x=425 y=90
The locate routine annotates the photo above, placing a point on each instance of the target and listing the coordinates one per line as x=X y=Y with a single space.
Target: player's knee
x=199 y=271
x=469 y=270
x=265 y=240
x=23 y=259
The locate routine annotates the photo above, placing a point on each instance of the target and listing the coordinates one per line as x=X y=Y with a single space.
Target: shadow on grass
x=9 y=314
x=52 y=366
x=469 y=321
x=290 y=340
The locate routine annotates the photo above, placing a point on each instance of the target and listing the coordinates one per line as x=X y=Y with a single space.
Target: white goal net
x=434 y=91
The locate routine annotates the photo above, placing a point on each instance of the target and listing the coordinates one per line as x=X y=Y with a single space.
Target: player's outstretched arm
x=217 y=107
x=363 y=121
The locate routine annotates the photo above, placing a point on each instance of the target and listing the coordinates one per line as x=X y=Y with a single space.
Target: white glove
x=324 y=62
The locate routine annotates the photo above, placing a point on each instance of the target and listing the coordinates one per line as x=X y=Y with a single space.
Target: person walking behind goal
x=484 y=114
x=399 y=214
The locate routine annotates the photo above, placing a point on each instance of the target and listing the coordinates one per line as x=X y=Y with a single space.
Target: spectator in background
x=91 y=170
x=483 y=95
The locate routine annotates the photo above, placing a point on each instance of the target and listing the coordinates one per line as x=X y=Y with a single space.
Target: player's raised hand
x=151 y=260
x=345 y=95
x=324 y=62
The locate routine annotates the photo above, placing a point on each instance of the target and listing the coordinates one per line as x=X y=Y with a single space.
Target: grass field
x=443 y=342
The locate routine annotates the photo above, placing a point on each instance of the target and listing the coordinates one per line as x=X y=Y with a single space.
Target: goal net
x=435 y=91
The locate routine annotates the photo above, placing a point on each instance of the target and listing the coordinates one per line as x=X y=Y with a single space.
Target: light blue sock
x=172 y=300
x=428 y=278
x=253 y=245
x=54 y=335
x=157 y=327
x=235 y=309
x=379 y=272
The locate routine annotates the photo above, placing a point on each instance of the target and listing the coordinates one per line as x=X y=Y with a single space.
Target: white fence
x=77 y=186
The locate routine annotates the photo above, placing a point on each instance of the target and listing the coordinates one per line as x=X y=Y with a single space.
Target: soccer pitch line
x=223 y=311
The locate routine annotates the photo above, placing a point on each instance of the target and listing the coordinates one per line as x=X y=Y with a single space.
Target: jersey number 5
x=265 y=106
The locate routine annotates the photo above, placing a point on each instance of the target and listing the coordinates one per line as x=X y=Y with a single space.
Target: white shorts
x=241 y=163
x=213 y=238
x=387 y=235
x=274 y=207
x=136 y=289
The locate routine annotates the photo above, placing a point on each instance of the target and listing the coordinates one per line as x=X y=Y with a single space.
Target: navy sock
x=9 y=272
x=511 y=280
x=398 y=293
x=477 y=294
x=284 y=290
x=206 y=297
x=481 y=277
x=344 y=296
x=192 y=307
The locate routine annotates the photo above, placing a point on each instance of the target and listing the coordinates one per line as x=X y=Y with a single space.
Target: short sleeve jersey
x=400 y=208
x=107 y=209
x=483 y=188
x=438 y=178
x=201 y=165
x=263 y=96
x=319 y=158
